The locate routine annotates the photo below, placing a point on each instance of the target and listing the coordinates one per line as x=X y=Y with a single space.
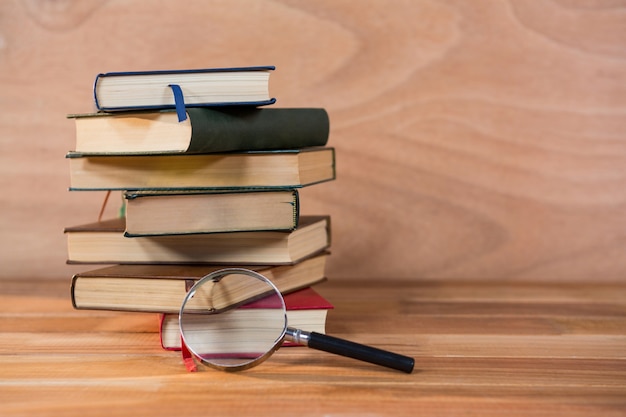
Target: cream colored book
x=104 y=242
x=161 y=288
x=255 y=169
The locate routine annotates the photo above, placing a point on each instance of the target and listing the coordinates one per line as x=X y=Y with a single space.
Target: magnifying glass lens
x=233 y=320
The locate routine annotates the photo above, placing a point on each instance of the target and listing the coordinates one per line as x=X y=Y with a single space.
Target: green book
x=206 y=130
x=154 y=213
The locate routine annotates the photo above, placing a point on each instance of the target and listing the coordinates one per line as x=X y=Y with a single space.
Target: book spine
x=296 y=209
x=252 y=129
x=95 y=91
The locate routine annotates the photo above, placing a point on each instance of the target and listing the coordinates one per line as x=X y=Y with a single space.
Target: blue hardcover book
x=144 y=90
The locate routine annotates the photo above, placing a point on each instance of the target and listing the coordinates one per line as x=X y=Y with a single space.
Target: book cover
x=206 y=130
x=161 y=288
x=256 y=169
x=104 y=242
x=150 y=213
x=306 y=310
x=132 y=90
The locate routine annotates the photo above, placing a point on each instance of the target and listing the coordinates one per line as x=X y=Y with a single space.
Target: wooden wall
x=475 y=138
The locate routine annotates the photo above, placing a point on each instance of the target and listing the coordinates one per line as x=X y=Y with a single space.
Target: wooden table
x=480 y=348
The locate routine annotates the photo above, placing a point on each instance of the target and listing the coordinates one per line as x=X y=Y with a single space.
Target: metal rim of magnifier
x=218 y=275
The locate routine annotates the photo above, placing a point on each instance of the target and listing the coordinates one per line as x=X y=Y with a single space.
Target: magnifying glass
x=233 y=319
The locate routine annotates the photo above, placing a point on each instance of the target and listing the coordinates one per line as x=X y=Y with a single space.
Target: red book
x=306 y=310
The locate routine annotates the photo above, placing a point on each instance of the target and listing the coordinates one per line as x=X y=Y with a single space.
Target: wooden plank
x=472 y=360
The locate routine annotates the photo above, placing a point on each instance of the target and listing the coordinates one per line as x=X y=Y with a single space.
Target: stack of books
x=211 y=174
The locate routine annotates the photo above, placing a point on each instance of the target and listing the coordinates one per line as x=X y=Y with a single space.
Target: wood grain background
x=475 y=138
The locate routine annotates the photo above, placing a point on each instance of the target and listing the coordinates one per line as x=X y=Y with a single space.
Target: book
x=104 y=242
x=306 y=310
x=256 y=169
x=205 y=130
x=161 y=288
x=127 y=90
x=195 y=211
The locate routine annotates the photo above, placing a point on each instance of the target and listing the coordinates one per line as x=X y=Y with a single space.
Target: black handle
x=361 y=352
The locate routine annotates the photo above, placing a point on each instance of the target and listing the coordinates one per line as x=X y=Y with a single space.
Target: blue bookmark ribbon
x=179 y=101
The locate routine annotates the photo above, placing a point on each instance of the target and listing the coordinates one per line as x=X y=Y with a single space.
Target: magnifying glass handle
x=352 y=350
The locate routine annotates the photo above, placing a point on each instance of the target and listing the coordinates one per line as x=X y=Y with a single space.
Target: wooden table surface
x=480 y=349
